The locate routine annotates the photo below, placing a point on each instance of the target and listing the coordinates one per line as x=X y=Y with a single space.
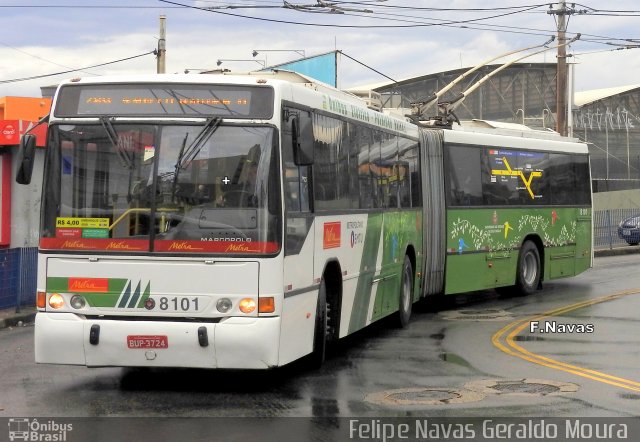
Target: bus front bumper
x=240 y=343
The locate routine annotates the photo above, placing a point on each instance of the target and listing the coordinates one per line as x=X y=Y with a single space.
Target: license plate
x=626 y=232
x=146 y=341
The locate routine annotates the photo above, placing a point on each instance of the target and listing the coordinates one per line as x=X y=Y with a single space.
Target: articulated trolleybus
x=224 y=221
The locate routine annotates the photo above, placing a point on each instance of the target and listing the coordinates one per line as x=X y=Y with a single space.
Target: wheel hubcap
x=530 y=268
x=406 y=291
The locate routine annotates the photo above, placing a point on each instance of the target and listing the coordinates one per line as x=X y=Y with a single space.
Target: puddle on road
x=454 y=359
x=528 y=338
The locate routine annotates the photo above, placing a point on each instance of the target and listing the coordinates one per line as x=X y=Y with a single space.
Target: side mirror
x=26 y=158
x=302 y=138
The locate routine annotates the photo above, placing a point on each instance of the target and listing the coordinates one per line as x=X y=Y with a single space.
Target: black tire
x=320 y=333
x=632 y=243
x=529 y=269
x=406 y=293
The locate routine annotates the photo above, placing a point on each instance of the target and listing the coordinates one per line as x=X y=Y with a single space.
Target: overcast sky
x=41 y=37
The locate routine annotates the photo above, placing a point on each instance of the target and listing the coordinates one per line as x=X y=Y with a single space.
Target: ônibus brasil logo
x=32 y=430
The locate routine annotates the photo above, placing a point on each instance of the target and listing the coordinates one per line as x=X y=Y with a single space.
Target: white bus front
x=161 y=211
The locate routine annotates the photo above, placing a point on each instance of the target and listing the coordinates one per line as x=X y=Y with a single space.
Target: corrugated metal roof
x=586 y=97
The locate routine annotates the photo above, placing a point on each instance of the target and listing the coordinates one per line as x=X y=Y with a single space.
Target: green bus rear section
x=483 y=244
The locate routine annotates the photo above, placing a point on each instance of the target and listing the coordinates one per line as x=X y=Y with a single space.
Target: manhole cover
x=521 y=387
x=423 y=396
x=527 y=387
x=476 y=315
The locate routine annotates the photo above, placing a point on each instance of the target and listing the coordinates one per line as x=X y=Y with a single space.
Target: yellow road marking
x=516 y=327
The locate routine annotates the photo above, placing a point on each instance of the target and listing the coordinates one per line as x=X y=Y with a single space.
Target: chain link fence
x=605 y=227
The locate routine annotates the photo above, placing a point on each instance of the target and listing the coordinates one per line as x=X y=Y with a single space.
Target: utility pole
x=162 y=45
x=561 y=72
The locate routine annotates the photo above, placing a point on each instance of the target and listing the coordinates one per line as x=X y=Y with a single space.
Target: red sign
x=68 y=233
x=139 y=245
x=147 y=341
x=331 y=236
x=5 y=200
x=191 y=246
x=9 y=131
x=12 y=130
x=113 y=245
x=88 y=285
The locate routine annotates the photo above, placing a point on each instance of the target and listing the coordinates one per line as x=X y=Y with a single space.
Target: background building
x=20 y=215
x=522 y=93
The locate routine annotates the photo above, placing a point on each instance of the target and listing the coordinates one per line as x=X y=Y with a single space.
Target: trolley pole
x=162 y=45
x=561 y=72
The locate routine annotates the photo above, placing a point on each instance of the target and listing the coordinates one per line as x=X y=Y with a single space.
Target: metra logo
x=183 y=246
x=120 y=245
x=90 y=285
x=239 y=248
x=331 y=237
x=75 y=245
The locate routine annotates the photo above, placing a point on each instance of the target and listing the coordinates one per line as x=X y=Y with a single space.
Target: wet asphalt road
x=446 y=363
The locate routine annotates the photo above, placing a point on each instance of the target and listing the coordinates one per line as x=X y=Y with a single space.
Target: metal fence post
x=609 y=229
x=19 y=285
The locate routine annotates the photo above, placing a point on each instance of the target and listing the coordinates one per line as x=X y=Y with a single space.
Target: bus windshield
x=197 y=188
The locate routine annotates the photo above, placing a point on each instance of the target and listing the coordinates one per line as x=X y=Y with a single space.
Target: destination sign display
x=140 y=100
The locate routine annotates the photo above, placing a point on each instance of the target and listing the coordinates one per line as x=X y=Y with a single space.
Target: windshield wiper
x=123 y=155
x=187 y=154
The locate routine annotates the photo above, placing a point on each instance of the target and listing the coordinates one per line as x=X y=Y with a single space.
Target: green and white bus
x=223 y=221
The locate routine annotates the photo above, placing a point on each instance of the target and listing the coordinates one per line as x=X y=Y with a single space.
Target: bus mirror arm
x=302 y=140
x=27 y=153
x=26 y=158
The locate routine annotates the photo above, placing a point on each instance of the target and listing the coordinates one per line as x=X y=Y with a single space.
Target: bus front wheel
x=529 y=269
x=406 y=293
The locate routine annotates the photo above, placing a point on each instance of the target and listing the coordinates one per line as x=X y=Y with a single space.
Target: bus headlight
x=77 y=302
x=56 y=301
x=247 y=305
x=224 y=305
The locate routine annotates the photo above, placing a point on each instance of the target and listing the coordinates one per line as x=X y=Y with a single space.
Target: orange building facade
x=19 y=214
x=17 y=115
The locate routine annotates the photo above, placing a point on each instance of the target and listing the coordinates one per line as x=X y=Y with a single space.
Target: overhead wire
x=418 y=8
x=40 y=58
x=273 y=20
x=34 y=77
x=412 y=23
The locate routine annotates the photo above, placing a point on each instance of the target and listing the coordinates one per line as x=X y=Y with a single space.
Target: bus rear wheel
x=320 y=332
x=406 y=293
x=529 y=269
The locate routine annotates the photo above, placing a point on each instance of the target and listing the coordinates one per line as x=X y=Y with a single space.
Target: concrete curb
x=27 y=315
x=618 y=251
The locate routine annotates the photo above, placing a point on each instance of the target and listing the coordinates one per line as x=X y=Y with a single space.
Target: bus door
x=298 y=235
